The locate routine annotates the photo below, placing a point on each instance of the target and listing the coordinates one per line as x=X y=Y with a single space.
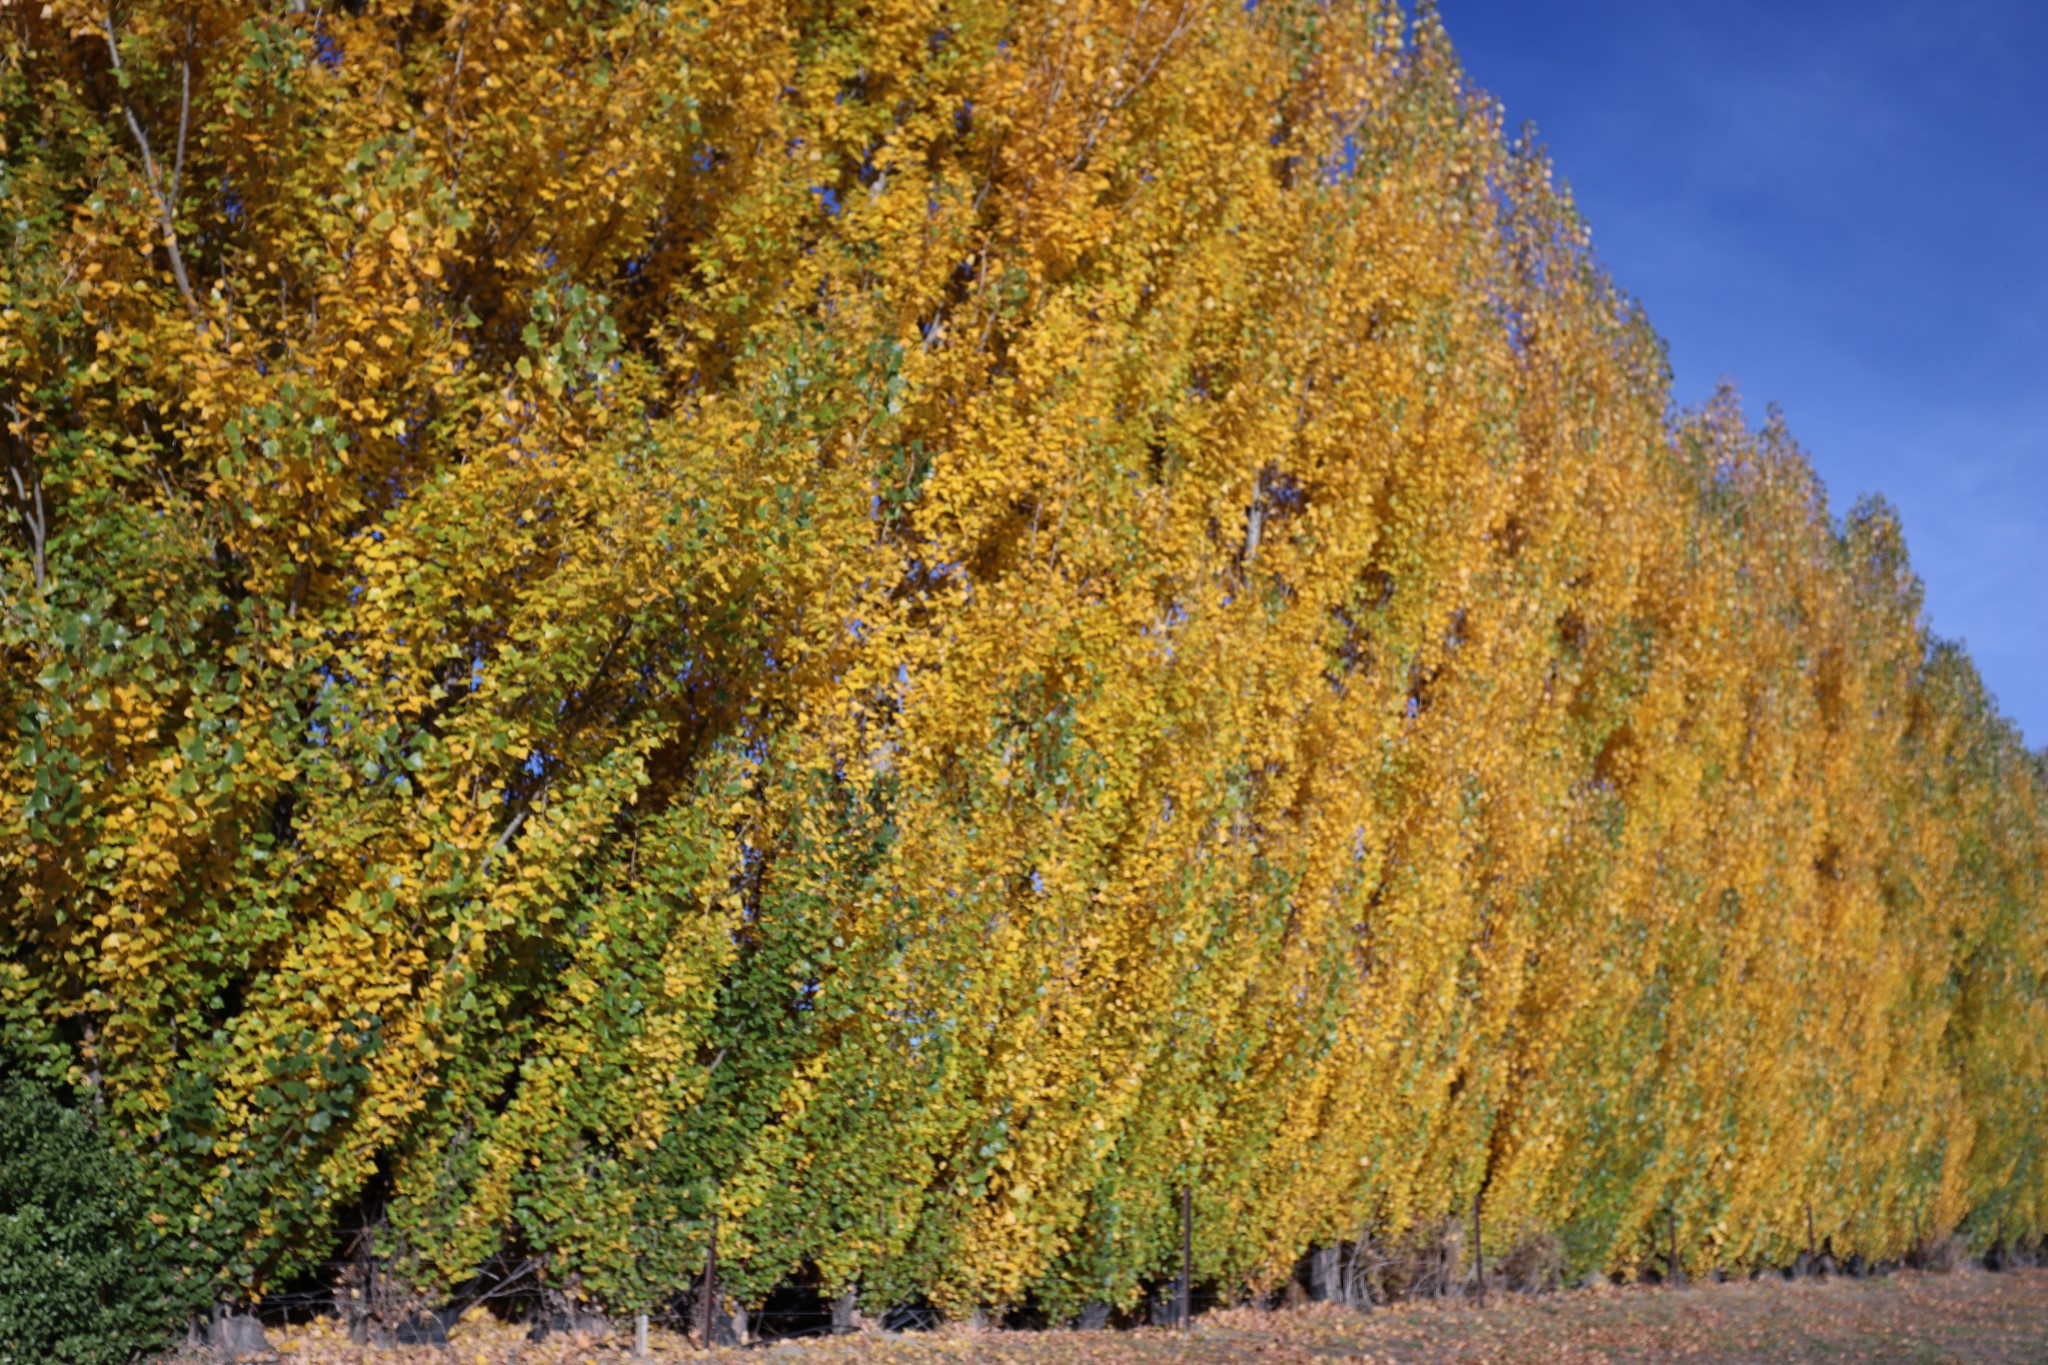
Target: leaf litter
x=1967 y=1317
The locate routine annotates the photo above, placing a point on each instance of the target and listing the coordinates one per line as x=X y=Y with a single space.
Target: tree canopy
x=920 y=621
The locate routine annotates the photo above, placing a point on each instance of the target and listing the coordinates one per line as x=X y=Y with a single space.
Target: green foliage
x=80 y=1278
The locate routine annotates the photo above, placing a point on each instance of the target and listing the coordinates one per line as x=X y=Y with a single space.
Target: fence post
x=1478 y=1254
x=709 y=1295
x=1187 y=1257
x=639 y=1334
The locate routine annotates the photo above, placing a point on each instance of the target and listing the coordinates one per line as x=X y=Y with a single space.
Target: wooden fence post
x=1187 y=1257
x=1478 y=1253
x=709 y=1297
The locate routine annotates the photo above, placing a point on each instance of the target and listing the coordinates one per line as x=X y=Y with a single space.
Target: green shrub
x=77 y=1283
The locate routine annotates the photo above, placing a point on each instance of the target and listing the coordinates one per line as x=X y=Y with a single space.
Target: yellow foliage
x=916 y=624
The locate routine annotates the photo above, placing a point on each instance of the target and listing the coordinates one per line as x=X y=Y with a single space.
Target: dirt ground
x=1968 y=1317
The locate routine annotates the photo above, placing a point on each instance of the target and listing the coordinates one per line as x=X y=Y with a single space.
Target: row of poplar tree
x=915 y=624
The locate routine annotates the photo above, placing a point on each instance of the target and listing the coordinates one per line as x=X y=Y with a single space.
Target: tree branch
x=165 y=203
x=38 y=524
x=184 y=113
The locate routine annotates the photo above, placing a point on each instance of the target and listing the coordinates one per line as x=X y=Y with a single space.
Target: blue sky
x=1843 y=207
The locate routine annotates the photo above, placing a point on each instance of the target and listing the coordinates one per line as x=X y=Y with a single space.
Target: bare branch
x=505 y=839
x=38 y=523
x=165 y=206
x=1183 y=20
x=184 y=112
